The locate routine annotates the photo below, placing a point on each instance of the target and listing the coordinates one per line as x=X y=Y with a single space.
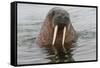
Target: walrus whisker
x=63 y=39
x=54 y=38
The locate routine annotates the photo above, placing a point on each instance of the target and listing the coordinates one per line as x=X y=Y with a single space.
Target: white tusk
x=54 y=38
x=54 y=35
x=63 y=39
x=64 y=35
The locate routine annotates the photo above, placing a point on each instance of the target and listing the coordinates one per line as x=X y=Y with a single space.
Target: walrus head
x=55 y=28
x=60 y=17
x=57 y=32
x=60 y=20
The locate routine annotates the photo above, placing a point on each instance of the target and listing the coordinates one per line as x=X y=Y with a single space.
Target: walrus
x=57 y=31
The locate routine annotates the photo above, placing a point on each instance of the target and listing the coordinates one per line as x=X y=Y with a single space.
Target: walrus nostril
x=65 y=17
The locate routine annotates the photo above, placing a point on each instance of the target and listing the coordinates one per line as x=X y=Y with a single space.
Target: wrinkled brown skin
x=45 y=37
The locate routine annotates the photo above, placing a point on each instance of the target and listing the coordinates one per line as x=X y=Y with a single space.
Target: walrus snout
x=59 y=17
x=61 y=20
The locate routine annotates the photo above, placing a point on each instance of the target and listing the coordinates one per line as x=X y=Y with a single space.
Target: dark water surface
x=84 y=22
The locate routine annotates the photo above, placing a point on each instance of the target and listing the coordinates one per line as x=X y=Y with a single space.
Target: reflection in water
x=61 y=56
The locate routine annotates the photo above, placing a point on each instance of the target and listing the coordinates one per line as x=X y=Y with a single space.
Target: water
x=29 y=24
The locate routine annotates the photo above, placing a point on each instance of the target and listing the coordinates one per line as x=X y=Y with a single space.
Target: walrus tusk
x=54 y=35
x=63 y=39
x=64 y=31
x=54 y=38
